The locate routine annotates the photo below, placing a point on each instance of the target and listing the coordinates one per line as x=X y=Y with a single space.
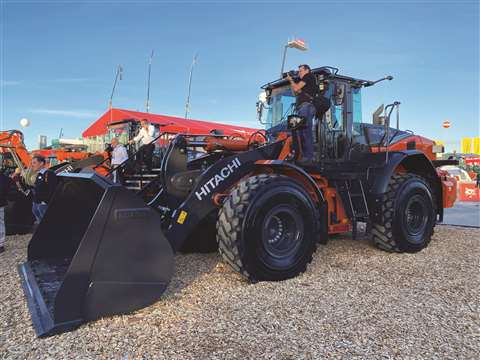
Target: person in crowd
x=119 y=156
x=5 y=183
x=17 y=180
x=145 y=138
x=45 y=184
x=305 y=90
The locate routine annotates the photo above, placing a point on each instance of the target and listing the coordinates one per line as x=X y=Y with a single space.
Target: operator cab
x=340 y=134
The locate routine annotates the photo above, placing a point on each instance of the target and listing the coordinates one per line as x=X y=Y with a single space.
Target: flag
x=297 y=44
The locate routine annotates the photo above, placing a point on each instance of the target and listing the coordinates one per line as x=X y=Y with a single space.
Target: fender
x=280 y=166
x=415 y=162
x=218 y=178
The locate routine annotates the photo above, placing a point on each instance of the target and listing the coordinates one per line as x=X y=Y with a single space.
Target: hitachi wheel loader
x=102 y=250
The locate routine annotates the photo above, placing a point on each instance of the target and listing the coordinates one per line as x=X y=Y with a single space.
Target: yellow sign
x=182 y=217
x=466 y=145
x=476 y=145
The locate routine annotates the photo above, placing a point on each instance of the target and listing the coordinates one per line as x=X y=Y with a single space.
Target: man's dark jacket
x=45 y=185
x=5 y=183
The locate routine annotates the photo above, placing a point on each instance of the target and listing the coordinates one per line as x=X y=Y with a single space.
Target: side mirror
x=262 y=97
x=262 y=101
x=259 y=106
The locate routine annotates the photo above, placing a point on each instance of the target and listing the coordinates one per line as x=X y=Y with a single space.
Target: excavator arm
x=11 y=141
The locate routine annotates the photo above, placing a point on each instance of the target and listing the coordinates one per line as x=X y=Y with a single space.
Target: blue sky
x=59 y=58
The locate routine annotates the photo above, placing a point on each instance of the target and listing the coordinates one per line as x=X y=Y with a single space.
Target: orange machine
x=64 y=154
x=263 y=205
x=13 y=150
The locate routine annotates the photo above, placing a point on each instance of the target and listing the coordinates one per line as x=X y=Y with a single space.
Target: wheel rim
x=416 y=216
x=282 y=232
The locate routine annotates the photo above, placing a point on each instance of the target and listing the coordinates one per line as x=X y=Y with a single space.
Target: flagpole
x=147 y=103
x=298 y=44
x=187 y=102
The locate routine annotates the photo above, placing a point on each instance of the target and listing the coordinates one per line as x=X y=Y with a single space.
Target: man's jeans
x=308 y=111
x=39 y=211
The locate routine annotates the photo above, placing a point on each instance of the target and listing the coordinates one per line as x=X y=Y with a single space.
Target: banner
x=466 y=145
x=469 y=192
x=476 y=145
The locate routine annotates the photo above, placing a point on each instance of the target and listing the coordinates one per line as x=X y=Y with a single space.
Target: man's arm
x=139 y=136
x=151 y=130
x=296 y=87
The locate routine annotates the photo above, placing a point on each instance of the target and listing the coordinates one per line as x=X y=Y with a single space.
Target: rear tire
x=409 y=215
x=267 y=228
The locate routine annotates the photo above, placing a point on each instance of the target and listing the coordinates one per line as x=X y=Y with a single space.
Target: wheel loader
x=101 y=250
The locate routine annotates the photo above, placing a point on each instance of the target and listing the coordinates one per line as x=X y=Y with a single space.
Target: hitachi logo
x=217 y=179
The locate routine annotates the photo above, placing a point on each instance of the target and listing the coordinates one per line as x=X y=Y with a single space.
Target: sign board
x=469 y=192
x=42 y=141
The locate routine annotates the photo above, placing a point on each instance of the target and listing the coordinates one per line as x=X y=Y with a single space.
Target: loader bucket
x=98 y=251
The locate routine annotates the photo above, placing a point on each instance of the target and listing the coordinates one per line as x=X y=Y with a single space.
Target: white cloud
x=9 y=82
x=67 y=80
x=47 y=81
x=77 y=114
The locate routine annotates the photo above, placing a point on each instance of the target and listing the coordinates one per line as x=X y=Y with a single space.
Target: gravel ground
x=354 y=301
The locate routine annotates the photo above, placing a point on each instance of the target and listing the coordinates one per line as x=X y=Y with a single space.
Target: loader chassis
x=248 y=198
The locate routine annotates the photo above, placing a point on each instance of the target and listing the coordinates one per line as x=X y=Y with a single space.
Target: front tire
x=267 y=228
x=409 y=215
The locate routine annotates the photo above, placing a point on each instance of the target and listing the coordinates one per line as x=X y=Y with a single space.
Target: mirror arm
x=259 y=112
x=371 y=83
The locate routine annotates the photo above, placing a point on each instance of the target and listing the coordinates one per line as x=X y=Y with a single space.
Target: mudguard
x=413 y=161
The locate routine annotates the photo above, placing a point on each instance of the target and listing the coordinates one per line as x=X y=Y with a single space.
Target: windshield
x=280 y=105
x=119 y=131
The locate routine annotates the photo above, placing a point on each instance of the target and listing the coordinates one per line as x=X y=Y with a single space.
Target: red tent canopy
x=175 y=124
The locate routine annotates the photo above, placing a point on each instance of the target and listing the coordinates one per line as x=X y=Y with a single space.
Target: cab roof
x=329 y=72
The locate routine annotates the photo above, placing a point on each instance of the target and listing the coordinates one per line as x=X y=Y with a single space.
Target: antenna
x=147 y=103
x=187 y=102
x=61 y=133
x=118 y=76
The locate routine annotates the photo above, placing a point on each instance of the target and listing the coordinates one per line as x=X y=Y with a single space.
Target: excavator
x=101 y=249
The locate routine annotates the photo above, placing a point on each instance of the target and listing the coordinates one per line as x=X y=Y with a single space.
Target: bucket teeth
x=87 y=258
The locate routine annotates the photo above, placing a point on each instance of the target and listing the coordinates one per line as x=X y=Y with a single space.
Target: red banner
x=469 y=192
x=472 y=161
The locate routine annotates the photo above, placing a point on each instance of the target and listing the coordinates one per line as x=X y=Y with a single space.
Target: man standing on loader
x=44 y=187
x=145 y=137
x=119 y=156
x=305 y=90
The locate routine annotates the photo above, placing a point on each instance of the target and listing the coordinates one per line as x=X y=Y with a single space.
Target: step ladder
x=354 y=201
x=138 y=180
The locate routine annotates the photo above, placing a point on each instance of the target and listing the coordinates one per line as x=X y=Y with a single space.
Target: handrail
x=123 y=164
x=385 y=139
